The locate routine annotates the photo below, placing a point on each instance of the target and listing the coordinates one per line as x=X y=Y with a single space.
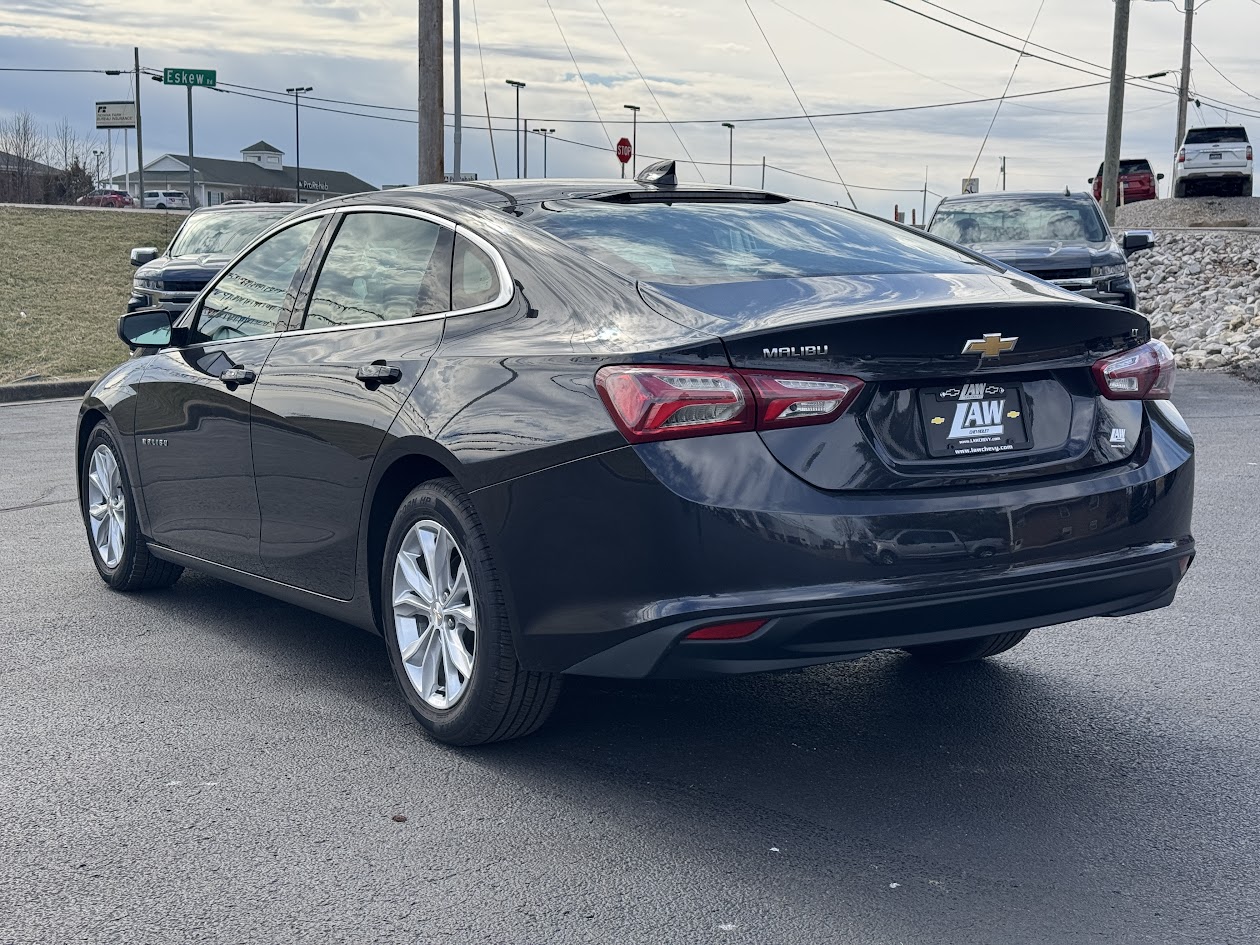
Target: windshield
x=222 y=233
x=973 y=222
x=694 y=242
x=1214 y=135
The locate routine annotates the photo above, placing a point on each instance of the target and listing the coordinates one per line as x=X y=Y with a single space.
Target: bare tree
x=23 y=148
x=66 y=145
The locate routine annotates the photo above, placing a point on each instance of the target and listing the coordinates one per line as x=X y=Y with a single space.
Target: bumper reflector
x=727 y=631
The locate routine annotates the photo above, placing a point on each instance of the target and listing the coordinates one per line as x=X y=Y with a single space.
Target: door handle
x=238 y=376
x=378 y=372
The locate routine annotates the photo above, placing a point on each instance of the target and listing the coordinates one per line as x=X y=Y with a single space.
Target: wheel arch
x=399 y=474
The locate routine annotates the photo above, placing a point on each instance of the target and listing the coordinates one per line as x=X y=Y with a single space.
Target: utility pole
x=1115 y=110
x=763 y=172
x=634 y=142
x=1004 y=173
x=297 y=139
x=457 y=138
x=1183 y=97
x=139 y=134
x=730 y=165
x=526 y=148
x=430 y=164
x=544 y=132
x=518 y=86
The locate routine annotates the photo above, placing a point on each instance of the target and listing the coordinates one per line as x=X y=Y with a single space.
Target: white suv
x=165 y=200
x=1217 y=158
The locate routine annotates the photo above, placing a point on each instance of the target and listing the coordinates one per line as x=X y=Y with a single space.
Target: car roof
x=235 y=207
x=505 y=194
x=1019 y=195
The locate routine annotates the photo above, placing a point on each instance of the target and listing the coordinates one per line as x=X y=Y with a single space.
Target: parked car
x=165 y=200
x=634 y=429
x=203 y=244
x=107 y=198
x=1218 y=159
x=1136 y=179
x=1059 y=237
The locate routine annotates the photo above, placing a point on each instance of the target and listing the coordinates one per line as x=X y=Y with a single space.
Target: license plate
x=1215 y=156
x=974 y=419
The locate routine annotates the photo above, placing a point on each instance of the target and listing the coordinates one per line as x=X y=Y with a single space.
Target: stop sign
x=624 y=151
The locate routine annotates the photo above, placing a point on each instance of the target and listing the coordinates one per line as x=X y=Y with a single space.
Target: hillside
x=65 y=277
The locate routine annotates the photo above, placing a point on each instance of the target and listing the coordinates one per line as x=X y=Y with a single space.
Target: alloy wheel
x=435 y=618
x=107 y=506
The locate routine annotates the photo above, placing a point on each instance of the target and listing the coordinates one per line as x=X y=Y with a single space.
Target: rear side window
x=382 y=267
x=1216 y=135
x=473 y=278
x=712 y=242
x=252 y=296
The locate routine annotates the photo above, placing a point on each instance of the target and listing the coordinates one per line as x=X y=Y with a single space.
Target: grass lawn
x=65 y=277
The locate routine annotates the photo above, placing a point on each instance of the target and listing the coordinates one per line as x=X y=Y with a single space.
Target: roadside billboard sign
x=115 y=114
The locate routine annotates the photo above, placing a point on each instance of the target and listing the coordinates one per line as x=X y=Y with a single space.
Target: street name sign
x=203 y=77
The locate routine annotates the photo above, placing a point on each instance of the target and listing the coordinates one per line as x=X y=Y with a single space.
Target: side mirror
x=143 y=254
x=147 y=328
x=1136 y=241
x=1159 y=176
x=1090 y=181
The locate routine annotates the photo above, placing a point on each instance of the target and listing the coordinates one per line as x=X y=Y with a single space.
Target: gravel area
x=1190 y=211
x=1201 y=293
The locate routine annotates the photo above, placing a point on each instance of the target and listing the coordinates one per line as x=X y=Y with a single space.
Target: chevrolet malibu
x=636 y=429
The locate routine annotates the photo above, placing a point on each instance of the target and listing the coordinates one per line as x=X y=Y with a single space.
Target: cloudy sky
x=702 y=62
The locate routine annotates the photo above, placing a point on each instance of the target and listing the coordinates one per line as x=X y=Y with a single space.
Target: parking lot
x=206 y=764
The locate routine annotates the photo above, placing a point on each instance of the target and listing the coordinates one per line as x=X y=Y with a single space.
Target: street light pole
x=634 y=140
x=1115 y=110
x=518 y=86
x=97 y=180
x=730 y=167
x=297 y=138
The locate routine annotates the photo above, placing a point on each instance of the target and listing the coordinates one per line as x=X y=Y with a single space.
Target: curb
x=45 y=390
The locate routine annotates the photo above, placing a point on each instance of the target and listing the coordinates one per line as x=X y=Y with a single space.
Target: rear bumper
x=608 y=562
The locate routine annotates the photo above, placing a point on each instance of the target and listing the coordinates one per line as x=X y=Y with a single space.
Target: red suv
x=106 y=198
x=1137 y=182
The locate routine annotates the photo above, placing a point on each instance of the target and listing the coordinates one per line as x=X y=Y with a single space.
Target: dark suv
x=1059 y=237
x=203 y=245
x=1137 y=182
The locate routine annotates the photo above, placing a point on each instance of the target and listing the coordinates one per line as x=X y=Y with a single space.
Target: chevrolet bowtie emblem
x=990 y=346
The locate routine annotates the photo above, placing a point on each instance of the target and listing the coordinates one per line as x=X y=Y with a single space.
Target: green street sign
x=205 y=77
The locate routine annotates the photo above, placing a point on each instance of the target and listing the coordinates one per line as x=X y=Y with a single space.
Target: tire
x=160 y=206
x=964 y=651
x=886 y=557
x=1179 y=188
x=125 y=564
x=496 y=699
x=1245 y=187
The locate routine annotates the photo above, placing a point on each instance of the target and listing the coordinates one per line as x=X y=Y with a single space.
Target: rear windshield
x=972 y=222
x=1130 y=167
x=222 y=232
x=696 y=243
x=1215 y=135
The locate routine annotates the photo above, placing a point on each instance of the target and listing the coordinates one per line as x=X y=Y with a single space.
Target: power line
x=485 y=89
x=648 y=87
x=572 y=57
x=787 y=79
x=1222 y=74
x=1009 y=80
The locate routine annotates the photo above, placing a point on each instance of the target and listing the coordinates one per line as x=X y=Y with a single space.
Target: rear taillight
x=1181 y=156
x=664 y=403
x=727 y=631
x=787 y=399
x=1248 y=152
x=1146 y=372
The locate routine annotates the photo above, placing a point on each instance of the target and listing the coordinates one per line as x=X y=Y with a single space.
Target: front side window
x=382 y=267
x=250 y=299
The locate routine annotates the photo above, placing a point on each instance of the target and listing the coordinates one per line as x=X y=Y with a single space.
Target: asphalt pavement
x=204 y=764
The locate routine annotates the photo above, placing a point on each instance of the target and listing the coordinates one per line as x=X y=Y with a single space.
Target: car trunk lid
x=969 y=378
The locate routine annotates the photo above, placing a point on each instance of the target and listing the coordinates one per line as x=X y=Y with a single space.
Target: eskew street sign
x=203 y=77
